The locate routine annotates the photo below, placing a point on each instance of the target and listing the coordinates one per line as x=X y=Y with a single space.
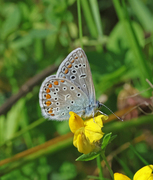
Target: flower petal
x=93 y=128
x=75 y=122
x=76 y=134
x=144 y=173
x=82 y=143
x=119 y=176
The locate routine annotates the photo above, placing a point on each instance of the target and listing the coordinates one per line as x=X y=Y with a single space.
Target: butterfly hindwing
x=58 y=96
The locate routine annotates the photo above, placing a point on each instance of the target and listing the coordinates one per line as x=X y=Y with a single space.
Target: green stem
x=96 y=16
x=138 y=155
x=107 y=164
x=140 y=60
x=101 y=177
x=79 y=22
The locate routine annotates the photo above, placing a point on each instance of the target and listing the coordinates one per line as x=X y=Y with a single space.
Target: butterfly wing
x=58 y=96
x=76 y=68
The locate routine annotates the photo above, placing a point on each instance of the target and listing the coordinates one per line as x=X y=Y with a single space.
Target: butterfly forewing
x=76 y=68
x=59 y=96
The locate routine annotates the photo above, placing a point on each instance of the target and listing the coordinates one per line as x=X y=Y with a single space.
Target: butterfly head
x=91 y=110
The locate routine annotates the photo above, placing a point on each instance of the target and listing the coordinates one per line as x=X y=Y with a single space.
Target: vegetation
x=35 y=36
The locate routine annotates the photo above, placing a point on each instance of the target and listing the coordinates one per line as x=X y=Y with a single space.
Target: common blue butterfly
x=71 y=89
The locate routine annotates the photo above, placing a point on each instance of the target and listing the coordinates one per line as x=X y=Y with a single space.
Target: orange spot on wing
x=69 y=66
x=47 y=90
x=52 y=114
x=76 y=57
x=48 y=103
x=64 y=77
x=50 y=111
x=55 y=82
x=66 y=71
x=50 y=85
x=62 y=81
x=48 y=96
x=72 y=61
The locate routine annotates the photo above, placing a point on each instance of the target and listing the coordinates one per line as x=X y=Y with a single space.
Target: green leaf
x=112 y=138
x=88 y=157
x=118 y=37
x=12 y=21
x=13 y=118
x=143 y=14
x=22 y=42
x=89 y=18
x=40 y=33
x=106 y=140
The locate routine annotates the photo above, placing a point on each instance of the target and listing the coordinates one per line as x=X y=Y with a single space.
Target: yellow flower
x=145 y=173
x=86 y=133
x=119 y=176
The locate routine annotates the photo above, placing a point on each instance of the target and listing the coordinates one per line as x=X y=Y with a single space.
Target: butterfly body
x=91 y=110
x=71 y=89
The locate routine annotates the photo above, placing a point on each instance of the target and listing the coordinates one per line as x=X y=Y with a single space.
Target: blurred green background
x=118 y=41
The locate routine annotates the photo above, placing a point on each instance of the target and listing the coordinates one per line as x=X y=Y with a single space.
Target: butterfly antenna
x=111 y=112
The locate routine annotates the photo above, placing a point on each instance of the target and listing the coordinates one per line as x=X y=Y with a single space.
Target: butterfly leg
x=102 y=113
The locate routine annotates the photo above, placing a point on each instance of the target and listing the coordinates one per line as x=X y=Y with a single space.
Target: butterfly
x=71 y=89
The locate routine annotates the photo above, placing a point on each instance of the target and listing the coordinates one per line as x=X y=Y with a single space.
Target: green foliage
x=117 y=39
x=88 y=157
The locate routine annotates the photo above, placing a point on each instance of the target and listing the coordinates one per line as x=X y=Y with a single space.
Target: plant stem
x=101 y=177
x=140 y=60
x=107 y=164
x=138 y=155
x=79 y=22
